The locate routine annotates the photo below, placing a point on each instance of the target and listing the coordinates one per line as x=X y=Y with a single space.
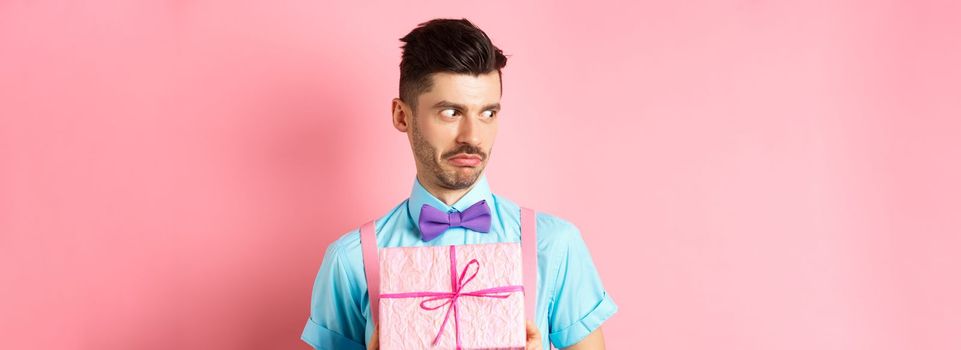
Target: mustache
x=466 y=149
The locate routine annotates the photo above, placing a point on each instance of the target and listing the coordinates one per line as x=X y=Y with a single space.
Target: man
x=450 y=91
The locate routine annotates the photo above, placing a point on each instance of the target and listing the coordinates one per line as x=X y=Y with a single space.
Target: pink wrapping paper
x=485 y=323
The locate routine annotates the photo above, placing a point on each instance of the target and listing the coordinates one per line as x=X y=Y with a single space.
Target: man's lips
x=465 y=160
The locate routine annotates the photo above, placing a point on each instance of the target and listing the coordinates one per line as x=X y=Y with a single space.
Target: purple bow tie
x=433 y=222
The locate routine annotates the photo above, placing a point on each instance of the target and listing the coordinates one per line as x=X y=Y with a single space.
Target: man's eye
x=450 y=112
x=489 y=113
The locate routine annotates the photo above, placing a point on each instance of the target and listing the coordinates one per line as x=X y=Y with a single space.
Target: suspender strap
x=529 y=259
x=368 y=244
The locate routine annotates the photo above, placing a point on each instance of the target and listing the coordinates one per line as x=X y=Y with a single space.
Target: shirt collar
x=419 y=196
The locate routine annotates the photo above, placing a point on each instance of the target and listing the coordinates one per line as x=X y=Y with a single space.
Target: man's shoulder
x=554 y=224
x=347 y=242
x=553 y=229
x=550 y=227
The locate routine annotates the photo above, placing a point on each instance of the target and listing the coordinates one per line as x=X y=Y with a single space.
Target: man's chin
x=461 y=178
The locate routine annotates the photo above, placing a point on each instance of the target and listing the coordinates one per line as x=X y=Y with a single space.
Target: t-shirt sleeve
x=336 y=321
x=580 y=302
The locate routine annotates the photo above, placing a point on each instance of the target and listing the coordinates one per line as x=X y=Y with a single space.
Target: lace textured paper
x=485 y=323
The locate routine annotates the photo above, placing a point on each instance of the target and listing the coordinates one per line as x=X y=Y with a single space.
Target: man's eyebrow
x=493 y=106
x=448 y=104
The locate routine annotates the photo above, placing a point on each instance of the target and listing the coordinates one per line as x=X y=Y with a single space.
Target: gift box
x=452 y=297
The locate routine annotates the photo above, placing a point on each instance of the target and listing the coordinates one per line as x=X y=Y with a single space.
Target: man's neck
x=448 y=196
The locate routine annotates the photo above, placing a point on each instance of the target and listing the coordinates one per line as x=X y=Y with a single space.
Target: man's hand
x=374 y=339
x=533 y=337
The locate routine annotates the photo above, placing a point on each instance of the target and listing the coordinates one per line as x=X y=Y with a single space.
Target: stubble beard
x=453 y=179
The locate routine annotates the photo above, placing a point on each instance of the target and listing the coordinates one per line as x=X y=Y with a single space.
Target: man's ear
x=401 y=115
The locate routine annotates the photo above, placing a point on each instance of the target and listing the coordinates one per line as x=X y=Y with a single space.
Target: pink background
x=172 y=171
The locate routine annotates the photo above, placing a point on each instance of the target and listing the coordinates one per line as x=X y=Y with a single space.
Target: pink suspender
x=368 y=245
x=529 y=259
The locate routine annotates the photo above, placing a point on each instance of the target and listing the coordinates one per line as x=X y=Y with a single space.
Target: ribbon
x=450 y=298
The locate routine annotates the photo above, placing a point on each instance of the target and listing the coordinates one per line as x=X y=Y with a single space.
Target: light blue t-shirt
x=571 y=301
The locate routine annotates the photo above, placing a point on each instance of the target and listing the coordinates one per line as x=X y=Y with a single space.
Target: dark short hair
x=445 y=45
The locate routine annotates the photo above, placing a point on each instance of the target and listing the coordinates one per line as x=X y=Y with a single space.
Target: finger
x=533 y=337
x=375 y=338
x=532 y=331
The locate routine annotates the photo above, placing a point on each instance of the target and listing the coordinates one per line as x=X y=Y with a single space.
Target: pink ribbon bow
x=450 y=298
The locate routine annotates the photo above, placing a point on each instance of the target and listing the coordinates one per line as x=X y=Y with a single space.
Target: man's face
x=453 y=129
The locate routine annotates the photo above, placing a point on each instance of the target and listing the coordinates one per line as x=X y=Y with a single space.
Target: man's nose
x=469 y=131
